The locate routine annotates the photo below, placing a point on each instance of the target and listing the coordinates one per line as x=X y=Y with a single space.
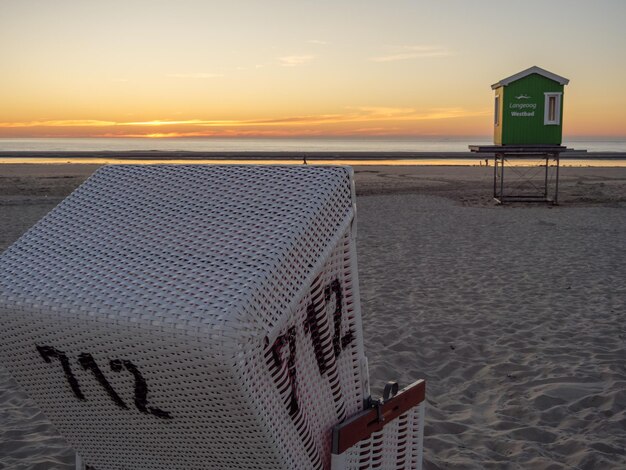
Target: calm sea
x=424 y=151
x=439 y=144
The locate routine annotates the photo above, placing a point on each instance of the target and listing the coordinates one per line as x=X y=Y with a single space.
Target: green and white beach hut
x=529 y=108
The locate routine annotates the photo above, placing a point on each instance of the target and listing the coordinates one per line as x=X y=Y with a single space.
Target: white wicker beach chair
x=191 y=317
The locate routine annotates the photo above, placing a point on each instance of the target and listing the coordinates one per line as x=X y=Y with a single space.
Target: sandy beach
x=514 y=315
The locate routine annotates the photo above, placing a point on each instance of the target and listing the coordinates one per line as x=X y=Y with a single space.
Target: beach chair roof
x=195 y=245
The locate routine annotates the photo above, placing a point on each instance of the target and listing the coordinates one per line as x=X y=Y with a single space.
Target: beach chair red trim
x=364 y=424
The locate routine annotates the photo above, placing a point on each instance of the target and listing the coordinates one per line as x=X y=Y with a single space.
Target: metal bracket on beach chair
x=391 y=390
x=358 y=430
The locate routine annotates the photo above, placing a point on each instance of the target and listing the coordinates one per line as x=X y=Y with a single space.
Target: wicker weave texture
x=191 y=317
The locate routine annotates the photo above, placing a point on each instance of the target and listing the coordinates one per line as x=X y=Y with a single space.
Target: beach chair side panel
x=316 y=363
x=124 y=397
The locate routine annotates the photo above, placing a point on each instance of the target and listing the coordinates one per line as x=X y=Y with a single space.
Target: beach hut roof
x=530 y=71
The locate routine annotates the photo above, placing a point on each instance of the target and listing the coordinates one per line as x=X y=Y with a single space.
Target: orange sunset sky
x=139 y=68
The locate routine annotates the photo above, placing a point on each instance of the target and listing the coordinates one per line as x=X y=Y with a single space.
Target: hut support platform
x=524 y=183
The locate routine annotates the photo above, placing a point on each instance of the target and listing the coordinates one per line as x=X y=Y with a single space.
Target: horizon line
x=303 y=136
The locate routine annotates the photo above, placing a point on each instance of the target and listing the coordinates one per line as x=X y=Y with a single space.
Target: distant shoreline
x=282 y=155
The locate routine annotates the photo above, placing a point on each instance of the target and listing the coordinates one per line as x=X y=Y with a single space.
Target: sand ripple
x=515 y=317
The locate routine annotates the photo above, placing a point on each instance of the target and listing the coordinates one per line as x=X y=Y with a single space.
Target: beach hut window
x=497 y=111
x=552 y=108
